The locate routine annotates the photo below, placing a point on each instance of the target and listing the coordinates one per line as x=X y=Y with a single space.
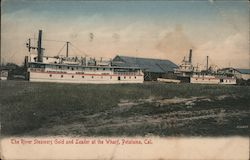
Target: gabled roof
x=147 y=64
x=242 y=71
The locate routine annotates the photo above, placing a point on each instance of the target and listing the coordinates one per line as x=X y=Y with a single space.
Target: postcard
x=125 y=80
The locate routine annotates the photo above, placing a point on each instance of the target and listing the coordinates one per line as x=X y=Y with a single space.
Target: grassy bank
x=123 y=109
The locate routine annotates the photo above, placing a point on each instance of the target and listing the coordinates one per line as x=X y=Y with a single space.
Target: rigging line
x=61 y=50
x=54 y=40
x=78 y=49
x=74 y=51
x=212 y=62
x=49 y=40
x=73 y=46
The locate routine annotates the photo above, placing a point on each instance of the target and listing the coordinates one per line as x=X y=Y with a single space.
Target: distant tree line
x=15 y=71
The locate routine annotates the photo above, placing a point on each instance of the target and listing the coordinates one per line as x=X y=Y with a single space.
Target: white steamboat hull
x=204 y=80
x=83 y=78
x=212 y=80
x=3 y=78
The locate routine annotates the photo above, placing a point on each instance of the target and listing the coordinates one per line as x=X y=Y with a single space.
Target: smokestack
x=190 y=55
x=67 y=49
x=39 y=47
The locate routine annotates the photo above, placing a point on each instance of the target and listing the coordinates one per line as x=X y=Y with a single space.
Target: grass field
x=35 y=109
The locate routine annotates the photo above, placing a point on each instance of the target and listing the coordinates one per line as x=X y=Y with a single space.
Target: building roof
x=147 y=64
x=243 y=71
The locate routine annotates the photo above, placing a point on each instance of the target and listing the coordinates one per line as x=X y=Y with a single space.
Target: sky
x=151 y=29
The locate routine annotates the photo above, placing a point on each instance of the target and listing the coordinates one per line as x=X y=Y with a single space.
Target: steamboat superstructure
x=67 y=69
x=186 y=72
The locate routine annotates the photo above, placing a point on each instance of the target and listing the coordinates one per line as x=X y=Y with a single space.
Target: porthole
x=61 y=76
x=82 y=76
x=50 y=75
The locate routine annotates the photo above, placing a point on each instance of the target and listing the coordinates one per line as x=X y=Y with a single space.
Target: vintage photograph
x=123 y=68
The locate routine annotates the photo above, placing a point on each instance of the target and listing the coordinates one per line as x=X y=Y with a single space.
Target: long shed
x=152 y=68
x=237 y=72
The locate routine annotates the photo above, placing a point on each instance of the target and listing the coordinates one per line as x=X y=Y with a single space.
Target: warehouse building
x=152 y=68
x=237 y=72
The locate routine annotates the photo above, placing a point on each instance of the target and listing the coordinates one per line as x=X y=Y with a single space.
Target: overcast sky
x=154 y=29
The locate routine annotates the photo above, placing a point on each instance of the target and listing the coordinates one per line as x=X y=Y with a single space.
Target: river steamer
x=66 y=73
x=186 y=72
x=67 y=69
x=212 y=79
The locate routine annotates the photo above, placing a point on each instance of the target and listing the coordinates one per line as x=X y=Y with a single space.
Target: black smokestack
x=39 y=47
x=190 y=55
x=67 y=49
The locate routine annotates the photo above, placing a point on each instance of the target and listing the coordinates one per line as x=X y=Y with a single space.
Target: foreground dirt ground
x=124 y=110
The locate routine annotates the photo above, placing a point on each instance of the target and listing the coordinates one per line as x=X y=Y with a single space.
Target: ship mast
x=0 y=57
x=207 y=64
